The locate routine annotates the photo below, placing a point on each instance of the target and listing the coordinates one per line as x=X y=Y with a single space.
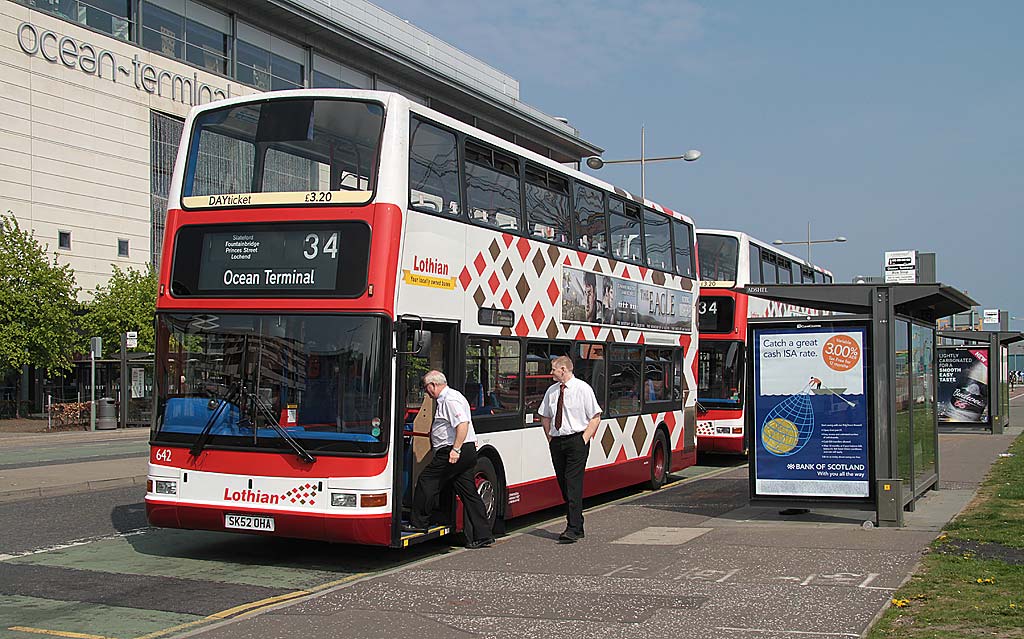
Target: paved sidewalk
x=693 y=560
x=48 y=464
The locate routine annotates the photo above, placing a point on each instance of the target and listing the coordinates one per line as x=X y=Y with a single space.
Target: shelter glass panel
x=904 y=405
x=924 y=401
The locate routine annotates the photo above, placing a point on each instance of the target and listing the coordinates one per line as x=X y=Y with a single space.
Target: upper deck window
x=659 y=240
x=682 y=236
x=492 y=187
x=284 y=152
x=590 y=219
x=547 y=204
x=624 y=222
x=719 y=257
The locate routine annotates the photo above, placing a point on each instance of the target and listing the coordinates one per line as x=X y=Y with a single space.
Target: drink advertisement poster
x=810 y=434
x=963 y=385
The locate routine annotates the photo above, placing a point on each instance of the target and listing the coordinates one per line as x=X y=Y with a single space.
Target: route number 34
x=313 y=247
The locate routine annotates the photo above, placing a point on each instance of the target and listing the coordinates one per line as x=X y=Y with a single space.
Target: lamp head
x=840 y=239
x=595 y=162
x=692 y=155
x=778 y=242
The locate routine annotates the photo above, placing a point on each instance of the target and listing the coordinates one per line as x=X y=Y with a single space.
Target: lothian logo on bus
x=429 y=265
x=302 y=494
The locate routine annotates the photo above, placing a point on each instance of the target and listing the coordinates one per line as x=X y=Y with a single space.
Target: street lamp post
x=809 y=241
x=596 y=162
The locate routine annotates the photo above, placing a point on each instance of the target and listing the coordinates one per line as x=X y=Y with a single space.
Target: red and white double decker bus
x=730 y=260
x=325 y=248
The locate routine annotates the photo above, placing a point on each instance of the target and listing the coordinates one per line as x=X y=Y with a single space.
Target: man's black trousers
x=438 y=475
x=569 y=457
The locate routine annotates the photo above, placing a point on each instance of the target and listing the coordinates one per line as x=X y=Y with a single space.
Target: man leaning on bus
x=454 y=442
x=570 y=415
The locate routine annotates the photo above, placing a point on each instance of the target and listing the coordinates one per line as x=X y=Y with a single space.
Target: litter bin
x=106 y=414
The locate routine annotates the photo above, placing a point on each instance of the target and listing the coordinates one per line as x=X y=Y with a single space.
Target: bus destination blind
x=273 y=260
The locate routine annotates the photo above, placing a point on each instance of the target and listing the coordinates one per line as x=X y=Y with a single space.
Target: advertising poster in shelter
x=963 y=385
x=810 y=435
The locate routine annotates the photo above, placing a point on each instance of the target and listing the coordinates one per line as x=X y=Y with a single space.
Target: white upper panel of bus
x=393 y=102
x=745 y=241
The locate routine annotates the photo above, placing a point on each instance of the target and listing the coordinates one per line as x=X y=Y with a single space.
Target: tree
x=38 y=304
x=127 y=302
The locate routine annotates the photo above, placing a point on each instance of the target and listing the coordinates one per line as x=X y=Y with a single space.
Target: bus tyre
x=659 y=461
x=488 y=487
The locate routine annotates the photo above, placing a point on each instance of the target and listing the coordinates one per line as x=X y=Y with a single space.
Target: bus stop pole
x=92 y=389
x=124 y=394
x=995 y=383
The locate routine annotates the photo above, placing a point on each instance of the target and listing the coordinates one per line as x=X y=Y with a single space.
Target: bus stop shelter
x=974 y=384
x=844 y=410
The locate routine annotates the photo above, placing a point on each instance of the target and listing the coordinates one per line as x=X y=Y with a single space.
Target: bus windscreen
x=719 y=257
x=284 y=151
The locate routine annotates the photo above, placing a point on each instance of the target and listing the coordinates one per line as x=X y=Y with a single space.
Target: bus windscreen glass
x=719 y=257
x=319 y=377
x=292 y=151
x=719 y=373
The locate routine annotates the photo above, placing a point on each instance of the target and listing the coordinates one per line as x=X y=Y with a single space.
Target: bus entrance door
x=416 y=408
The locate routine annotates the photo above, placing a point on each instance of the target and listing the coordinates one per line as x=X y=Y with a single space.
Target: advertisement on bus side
x=592 y=298
x=810 y=435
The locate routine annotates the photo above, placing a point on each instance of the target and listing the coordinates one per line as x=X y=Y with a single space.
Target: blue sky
x=899 y=124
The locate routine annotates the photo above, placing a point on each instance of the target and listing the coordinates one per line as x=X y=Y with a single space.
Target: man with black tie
x=570 y=416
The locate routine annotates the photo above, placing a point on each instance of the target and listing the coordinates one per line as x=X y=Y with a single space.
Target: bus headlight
x=343 y=500
x=164 y=487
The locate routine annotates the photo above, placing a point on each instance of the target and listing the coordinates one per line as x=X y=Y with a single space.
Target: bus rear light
x=373 y=500
x=149 y=485
x=343 y=500
x=737 y=430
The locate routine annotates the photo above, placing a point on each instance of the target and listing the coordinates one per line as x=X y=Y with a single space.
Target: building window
x=109 y=16
x=328 y=74
x=387 y=86
x=64 y=240
x=268 y=62
x=165 y=132
x=187 y=31
x=122 y=248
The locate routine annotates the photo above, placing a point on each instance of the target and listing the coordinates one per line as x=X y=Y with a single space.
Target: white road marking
x=72 y=544
x=791 y=632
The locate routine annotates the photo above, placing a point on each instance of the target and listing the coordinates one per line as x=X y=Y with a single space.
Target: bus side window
x=492 y=187
x=433 y=169
x=755 y=265
x=591 y=234
x=538 y=372
x=547 y=205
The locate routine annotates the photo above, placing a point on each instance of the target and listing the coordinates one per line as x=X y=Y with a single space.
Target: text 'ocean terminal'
x=269 y=277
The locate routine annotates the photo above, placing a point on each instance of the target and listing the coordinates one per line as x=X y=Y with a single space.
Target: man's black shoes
x=480 y=543
x=409 y=528
x=570 y=537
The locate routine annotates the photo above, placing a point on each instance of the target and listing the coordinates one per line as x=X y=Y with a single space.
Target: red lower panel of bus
x=716 y=444
x=543 y=493
x=372 y=530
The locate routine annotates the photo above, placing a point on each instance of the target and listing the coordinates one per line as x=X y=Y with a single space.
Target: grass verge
x=971 y=582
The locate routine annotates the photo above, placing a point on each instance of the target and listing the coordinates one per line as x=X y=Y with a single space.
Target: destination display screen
x=320 y=259
x=716 y=314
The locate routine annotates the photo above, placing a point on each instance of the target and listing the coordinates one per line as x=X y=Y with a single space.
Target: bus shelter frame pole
x=889 y=487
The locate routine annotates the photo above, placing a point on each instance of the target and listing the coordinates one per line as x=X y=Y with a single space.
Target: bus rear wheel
x=659 y=461
x=488 y=487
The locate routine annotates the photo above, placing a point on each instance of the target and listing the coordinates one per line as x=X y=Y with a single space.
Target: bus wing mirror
x=421 y=343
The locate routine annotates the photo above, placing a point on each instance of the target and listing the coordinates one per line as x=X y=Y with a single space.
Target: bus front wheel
x=659 y=461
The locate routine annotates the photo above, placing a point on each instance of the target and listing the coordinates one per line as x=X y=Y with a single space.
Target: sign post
x=95 y=350
x=901 y=267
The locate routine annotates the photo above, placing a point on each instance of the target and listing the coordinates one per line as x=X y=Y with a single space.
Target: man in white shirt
x=570 y=416
x=454 y=442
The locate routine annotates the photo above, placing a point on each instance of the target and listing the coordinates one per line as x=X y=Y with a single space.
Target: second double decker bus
x=730 y=260
x=327 y=248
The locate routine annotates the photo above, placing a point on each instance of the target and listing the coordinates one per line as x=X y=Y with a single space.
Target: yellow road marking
x=248 y=608
x=57 y=633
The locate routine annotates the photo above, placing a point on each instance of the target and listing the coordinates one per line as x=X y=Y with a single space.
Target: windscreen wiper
x=204 y=435
x=285 y=435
